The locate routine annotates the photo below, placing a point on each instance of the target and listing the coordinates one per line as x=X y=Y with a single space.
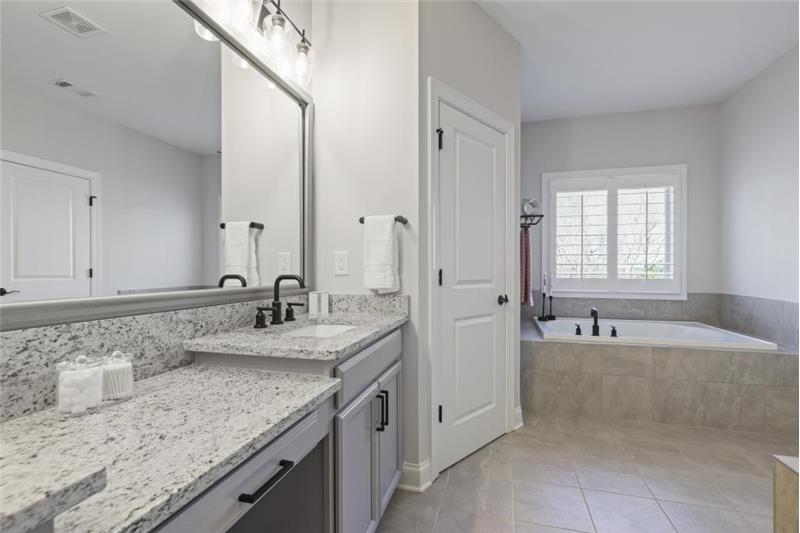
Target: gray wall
x=151 y=201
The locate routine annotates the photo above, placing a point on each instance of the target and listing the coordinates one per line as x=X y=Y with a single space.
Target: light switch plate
x=284 y=262
x=340 y=264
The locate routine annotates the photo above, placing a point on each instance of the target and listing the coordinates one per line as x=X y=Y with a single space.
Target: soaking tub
x=651 y=333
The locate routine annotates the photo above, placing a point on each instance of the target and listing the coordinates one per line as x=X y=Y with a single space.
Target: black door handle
x=386 y=407
x=3 y=291
x=502 y=299
x=285 y=467
x=382 y=398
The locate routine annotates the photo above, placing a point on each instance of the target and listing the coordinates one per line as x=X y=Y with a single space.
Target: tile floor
x=563 y=474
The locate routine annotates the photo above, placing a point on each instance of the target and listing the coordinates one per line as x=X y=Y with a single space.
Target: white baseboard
x=416 y=476
x=517 y=418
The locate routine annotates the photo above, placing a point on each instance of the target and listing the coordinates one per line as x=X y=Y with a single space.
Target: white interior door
x=45 y=229
x=471 y=249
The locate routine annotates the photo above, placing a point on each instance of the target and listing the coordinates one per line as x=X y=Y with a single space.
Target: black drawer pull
x=386 y=407
x=285 y=467
x=382 y=427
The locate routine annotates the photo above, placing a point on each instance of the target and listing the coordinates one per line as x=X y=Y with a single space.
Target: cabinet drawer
x=219 y=508
x=363 y=368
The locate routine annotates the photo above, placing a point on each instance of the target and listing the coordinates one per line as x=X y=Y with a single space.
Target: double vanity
x=295 y=426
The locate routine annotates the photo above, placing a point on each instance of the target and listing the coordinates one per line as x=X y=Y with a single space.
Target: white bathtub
x=651 y=333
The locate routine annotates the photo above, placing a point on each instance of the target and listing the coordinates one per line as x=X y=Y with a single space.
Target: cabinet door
x=390 y=440
x=356 y=460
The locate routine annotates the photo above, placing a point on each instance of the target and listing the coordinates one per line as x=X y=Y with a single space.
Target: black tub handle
x=286 y=466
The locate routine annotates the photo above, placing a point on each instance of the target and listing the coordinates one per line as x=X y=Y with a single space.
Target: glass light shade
x=204 y=33
x=275 y=31
x=302 y=63
x=238 y=60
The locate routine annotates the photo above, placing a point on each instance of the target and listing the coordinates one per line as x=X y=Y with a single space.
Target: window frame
x=613 y=179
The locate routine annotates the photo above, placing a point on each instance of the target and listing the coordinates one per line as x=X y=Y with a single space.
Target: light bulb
x=302 y=64
x=239 y=61
x=204 y=33
x=275 y=32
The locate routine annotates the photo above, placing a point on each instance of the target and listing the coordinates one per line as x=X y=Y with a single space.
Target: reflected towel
x=241 y=253
x=381 y=254
x=525 y=266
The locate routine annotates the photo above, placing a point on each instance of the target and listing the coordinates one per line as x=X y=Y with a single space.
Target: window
x=617 y=233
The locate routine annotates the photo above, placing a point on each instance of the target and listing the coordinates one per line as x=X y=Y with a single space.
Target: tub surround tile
x=761 y=317
x=273 y=341
x=627 y=360
x=627 y=397
x=222 y=414
x=781 y=410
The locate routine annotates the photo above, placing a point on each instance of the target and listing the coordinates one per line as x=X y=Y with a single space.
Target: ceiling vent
x=70 y=88
x=70 y=20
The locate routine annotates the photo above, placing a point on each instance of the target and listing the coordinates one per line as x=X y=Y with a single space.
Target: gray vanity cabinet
x=390 y=440
x=356 y=459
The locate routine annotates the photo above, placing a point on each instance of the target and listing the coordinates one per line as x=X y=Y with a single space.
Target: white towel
x=241 y=253
x=381 y=254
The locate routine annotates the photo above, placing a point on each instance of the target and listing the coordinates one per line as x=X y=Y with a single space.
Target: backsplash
x=29 y=356
x=368 y=303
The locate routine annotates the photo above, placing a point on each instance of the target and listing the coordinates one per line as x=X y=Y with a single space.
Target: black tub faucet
x=595 y=326
x=277 y=318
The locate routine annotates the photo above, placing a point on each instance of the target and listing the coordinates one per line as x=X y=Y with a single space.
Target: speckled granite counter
x=273 y=341
x=180 y=433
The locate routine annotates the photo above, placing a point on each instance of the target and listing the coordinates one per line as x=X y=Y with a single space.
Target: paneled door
x=45 y=234
x=471 y=248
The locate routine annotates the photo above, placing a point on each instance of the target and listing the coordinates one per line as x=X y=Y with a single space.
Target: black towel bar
x=255 y=225
x=399 y=218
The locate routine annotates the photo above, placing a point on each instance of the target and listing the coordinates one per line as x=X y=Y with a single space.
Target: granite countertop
x=180 y=433
x=273 y=341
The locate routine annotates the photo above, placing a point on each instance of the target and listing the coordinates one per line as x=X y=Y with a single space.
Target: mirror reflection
x=127 y=142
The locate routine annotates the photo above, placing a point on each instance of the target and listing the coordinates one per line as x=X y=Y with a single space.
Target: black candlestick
x=543 y=317
x=551 y=316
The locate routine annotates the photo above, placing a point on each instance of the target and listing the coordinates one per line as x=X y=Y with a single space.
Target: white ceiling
x=589 y=58
x=150 y=71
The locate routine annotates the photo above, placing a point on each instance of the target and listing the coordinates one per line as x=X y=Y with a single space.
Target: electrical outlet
x=284 y=262
x=340 y=266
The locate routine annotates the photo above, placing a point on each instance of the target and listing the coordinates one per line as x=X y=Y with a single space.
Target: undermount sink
x=320 y=331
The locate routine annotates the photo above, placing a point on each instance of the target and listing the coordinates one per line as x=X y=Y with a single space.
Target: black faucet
x=232 y=276
x=596 y=326
x=276 y=295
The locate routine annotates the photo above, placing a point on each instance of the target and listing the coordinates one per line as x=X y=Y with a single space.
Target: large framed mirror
x=137 y=140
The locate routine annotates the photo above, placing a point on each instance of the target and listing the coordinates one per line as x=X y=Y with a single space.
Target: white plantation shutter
x=581 y=219
x=616 y=233
x=645 y=233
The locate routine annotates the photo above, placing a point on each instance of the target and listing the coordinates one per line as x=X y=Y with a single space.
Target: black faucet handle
x=578 y=329
x=296 y=304
x=613 y=331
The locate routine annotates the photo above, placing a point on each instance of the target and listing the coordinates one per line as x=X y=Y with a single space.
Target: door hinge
x=91 y=200
x=91 y=272
x=440 y=133
x=440 y=414
x=440 y=277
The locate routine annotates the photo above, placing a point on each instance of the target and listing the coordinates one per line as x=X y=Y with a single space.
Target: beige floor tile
x=551 y=505
x=592 y=447
x=490 y=461
x=611 y=476
x=473 y=523
x=539 y=422
x=522 y=527
x=615 y=513
x=718 y=460
x=581 y=425
x=544 y=469
x=761 y=523
x=698 y=519
x=746 y=494
x=683 y=486
x=653 y=453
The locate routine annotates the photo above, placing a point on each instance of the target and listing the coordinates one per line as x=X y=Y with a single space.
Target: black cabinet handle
x=285 y=467
x=386 y=407
x=382 y=427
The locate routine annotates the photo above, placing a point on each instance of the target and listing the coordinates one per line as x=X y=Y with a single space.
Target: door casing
x=438 y=93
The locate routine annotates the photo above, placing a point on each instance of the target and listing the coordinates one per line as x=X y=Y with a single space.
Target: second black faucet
x=277 y=316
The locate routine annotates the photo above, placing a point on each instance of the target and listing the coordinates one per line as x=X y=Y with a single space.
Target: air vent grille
x=70 y=20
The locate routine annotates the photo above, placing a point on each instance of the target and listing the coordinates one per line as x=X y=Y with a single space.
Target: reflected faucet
x=595 y=326
x=232 y=276
x=277 y=318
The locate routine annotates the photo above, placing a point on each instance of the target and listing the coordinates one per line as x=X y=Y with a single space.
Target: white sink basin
x=320 y=331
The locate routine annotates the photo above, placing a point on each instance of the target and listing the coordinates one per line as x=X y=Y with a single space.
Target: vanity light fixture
x=204 y=33
x=302 y=66
x=274 y=27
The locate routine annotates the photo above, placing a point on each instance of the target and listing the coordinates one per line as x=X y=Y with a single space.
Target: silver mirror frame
x=22 y=315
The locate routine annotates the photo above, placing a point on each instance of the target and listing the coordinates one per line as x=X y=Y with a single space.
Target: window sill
x=605 y=295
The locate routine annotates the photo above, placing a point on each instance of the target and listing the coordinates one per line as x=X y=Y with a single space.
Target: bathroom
x=232 y=295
